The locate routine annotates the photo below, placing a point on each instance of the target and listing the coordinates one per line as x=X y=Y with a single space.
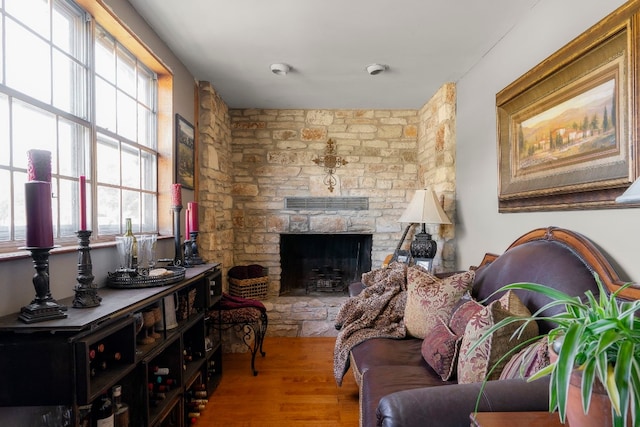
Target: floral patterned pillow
x=430 y=298
x=476 y=365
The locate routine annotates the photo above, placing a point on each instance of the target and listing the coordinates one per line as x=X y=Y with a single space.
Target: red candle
x=83 y=202
x=193 y=210
x=176 y=194
x=39 y=217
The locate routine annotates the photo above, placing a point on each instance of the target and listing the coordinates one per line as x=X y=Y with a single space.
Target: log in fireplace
x=322 y=263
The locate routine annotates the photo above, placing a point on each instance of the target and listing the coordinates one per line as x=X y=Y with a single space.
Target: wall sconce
x=330 y=162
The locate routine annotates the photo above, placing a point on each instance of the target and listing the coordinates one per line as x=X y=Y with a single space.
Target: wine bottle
x=134 y=251
x=102 y=412
x=160 y=371
x=115 y=356
x=121 y=416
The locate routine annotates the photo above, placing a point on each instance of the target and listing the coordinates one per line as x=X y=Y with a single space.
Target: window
x=67 y=85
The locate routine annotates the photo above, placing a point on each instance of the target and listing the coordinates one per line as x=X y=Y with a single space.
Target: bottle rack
x=69 y=376
x=159 y=394
x=103 y=358
x=212 y=369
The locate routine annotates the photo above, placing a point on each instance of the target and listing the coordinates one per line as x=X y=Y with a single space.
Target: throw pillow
x=440 y=350
x=527 y=361
x=461 y=316
x=484 y=360
x=430 y=298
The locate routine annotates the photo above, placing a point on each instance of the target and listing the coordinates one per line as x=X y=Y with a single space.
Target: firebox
x=322 y=263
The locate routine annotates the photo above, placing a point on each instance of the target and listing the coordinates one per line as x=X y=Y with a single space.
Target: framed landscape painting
x=185 y=157
x=565 y=129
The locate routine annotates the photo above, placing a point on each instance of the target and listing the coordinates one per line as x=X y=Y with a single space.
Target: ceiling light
x=374 y=69
x=280 y=69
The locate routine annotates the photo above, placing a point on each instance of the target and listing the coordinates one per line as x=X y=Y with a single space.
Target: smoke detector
x=280 y=69
x=375 y=69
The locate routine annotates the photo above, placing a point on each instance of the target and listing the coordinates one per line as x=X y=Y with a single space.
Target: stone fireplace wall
x=273 y=152
x=250 y=160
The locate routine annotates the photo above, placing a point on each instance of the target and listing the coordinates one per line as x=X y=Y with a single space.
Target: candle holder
x=187 y=254
x=43 y=307
x=195 y=257
x=177 y=260
x=86 y=291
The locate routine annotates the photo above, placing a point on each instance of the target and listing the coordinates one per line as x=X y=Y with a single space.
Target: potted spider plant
x=597 y=341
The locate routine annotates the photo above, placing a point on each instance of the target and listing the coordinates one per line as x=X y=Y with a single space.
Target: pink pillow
x=440 y=350
x=461 y=316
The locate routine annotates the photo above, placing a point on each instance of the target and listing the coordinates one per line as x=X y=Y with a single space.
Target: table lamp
x=424 y=208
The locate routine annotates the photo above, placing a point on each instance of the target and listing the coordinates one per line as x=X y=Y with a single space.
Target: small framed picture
x=185 y=158
x=426 y=263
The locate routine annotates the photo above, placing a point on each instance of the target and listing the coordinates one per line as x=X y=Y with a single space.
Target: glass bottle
x=134 y=251
x=121 y=417
x=102 y=412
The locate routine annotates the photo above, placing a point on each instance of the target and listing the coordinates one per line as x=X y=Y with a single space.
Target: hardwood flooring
x=294 y=387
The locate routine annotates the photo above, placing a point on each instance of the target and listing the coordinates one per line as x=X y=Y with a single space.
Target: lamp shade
x=632 y=195
x=425 y=208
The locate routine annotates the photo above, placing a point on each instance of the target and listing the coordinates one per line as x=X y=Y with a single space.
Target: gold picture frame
x=566 y=129
x=185 y=153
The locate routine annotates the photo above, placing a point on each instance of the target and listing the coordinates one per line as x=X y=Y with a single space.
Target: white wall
x=546 y=28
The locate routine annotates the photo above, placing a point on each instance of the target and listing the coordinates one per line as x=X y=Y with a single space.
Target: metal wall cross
x=330 y=161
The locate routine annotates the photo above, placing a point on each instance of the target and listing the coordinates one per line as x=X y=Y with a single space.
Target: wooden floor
x=294 y=387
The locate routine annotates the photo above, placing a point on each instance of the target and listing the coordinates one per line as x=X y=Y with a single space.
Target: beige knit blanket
x=377 y=312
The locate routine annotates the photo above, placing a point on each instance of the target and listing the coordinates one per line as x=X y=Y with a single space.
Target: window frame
x=101 y=14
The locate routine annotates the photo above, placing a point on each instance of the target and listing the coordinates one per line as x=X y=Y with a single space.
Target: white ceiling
x=328 y=44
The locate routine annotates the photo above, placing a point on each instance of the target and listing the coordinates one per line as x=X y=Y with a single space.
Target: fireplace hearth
x=322 y=263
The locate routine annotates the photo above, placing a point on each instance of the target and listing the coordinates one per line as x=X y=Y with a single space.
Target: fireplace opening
x=322 y=263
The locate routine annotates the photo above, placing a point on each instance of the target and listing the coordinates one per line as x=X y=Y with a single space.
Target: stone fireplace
x=252 y=161
x=322 y=264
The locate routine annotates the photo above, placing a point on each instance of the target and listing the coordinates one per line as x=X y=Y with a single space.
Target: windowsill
x=22 y=254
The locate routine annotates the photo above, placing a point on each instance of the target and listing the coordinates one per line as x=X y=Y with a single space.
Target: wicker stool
x=251 y=321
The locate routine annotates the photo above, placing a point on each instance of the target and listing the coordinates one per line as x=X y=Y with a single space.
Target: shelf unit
x=72 y=361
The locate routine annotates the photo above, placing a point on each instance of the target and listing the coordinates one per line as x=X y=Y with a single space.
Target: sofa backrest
x=552 y=256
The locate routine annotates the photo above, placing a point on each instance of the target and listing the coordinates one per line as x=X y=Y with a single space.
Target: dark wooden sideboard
x=49 y=363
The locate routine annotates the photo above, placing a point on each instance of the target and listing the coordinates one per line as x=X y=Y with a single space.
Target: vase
x=599 y=414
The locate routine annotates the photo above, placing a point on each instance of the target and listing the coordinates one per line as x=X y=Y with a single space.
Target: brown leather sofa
x=398 y=388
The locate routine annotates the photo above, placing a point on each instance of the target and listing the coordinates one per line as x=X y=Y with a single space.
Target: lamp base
x=423 y=247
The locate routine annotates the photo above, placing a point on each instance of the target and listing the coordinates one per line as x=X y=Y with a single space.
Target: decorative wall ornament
x=330 y=162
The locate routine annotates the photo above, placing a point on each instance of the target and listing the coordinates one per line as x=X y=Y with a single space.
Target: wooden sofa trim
x=584 y=249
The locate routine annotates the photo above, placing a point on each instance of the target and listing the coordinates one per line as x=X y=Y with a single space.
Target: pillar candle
x=193 y=210
x=83 y=203
x=39 y=165
x=187 y=221
x=176 y=194
x=39 y=217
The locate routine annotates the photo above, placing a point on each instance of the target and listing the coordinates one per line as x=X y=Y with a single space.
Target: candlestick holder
x=43 y=307
x=177 y=260
x=86 y=291
x=195 y=257
x=187 y=254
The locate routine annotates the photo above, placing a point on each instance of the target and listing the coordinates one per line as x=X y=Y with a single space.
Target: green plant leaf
x=622 y=372
x=586 y=387
x=565 y=365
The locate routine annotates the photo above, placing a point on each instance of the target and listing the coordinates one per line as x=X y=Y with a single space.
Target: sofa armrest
x=451 y=405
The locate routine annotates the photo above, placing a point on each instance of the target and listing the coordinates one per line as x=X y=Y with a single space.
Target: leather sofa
x=398 y=388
